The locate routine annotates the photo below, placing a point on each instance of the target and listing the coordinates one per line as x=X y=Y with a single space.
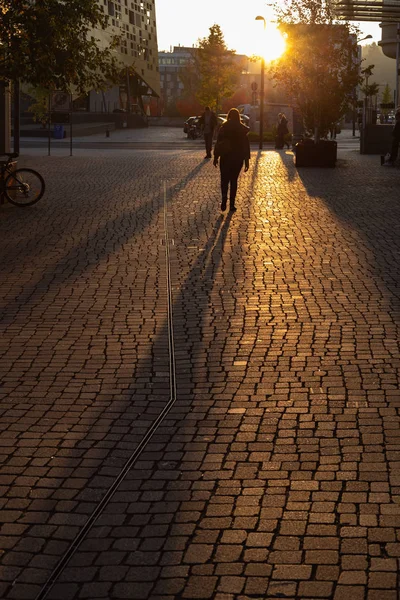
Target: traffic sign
x=60 y=101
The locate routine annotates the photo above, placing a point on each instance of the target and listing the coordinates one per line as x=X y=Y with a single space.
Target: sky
x=183 y=22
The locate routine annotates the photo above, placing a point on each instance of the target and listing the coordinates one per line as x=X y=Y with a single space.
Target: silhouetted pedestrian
x=232 y=149
x=208 y=121
x=282 y=132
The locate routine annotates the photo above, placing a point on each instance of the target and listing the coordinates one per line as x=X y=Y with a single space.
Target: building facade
x=135 y=23
x=170 y=65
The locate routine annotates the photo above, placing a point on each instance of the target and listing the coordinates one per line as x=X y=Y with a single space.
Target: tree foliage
x=319 y=69
x=52 y=44
x=387 y=97
x=39 y=104
x=369 y=89
x=212 y=74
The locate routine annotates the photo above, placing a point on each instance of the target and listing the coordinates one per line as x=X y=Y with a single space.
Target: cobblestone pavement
x=197 y=405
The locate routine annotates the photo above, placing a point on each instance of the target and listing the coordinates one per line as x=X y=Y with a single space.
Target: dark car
x=187 y=124
x=244 y=119
x=194 y=131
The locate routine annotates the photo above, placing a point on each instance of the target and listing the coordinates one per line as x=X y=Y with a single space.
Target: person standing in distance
x=232 y=149
x=208 y=121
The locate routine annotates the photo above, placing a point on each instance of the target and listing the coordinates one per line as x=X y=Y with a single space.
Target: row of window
x=114 y=7
x=135 y=18
x=172 y=92
x=173 y=61
x=169 y=77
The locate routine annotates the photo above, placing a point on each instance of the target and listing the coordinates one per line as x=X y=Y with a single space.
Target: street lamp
x=396 y=97
x=367 y=37
x=259 y=18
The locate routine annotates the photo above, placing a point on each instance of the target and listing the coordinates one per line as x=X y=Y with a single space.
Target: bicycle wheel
x=24 y=187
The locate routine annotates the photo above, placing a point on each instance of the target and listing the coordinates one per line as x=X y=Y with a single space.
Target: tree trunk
x=5 y=117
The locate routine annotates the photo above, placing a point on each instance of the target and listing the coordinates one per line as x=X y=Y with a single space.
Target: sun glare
x=275 y=43
x=268 y=43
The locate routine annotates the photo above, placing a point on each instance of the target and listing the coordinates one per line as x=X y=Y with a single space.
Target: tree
x=51 y=44
x=369 y=89
x=40 y=104
x=218 y=75
x=387 y=98
x=319 y=69
x=188 y=106
x=385 y=71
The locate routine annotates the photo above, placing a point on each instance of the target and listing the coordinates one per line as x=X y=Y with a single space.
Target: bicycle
x=22 y=187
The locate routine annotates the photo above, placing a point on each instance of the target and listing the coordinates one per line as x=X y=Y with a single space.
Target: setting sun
x=275 y=43
x=268 y=43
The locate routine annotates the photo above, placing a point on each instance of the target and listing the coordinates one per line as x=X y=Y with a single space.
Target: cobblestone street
x=196 y=404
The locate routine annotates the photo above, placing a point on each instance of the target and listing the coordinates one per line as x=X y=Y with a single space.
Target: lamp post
x=396 y=99
x=259 y=18
x=367 y=37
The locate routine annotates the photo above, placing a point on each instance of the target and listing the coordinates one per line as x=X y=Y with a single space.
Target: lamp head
x=367 y=37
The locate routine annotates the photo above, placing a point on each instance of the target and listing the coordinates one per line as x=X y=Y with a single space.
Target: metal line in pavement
x=134 y=457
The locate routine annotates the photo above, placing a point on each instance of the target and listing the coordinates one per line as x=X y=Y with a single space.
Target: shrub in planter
x=310 y=154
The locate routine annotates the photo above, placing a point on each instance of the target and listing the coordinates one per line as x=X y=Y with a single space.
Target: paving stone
x=199 y=587
x=275 y=471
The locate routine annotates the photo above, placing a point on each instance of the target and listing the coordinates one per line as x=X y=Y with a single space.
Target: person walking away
x=395 y=143
x=281 y=132
x=231 y=149
x=285 y=129
x=279 y=136
x=208 y=121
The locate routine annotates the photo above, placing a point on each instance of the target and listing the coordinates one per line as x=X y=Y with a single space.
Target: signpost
x=60 y=113
x=254 y=87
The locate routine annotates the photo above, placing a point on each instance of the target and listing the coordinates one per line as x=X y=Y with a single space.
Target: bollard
x=107 y=132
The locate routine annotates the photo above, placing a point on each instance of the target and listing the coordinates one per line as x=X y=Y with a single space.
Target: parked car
x=243 y=119
x=187 y=123
x=194 y=131
x=222 y=118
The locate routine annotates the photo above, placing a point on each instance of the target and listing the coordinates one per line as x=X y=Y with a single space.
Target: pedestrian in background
x=208 y=121
x=282 y=131
x=359 y=120
x=232 y=149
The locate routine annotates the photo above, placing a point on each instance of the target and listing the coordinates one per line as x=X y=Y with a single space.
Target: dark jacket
x=396 y=131
x=213 y=121
x=283 y=129
x=238 y=142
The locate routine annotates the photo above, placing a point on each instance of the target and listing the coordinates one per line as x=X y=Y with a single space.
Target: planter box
x=309 y=154
x=376 y=139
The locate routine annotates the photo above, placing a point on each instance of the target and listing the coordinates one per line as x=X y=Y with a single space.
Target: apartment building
x=172 y=63
x=135 y=23
x=170 y=66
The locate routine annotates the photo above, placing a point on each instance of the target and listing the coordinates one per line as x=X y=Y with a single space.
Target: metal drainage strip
x=134 y=457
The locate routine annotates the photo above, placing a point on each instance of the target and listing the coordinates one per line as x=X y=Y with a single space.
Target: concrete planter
x=376 y=139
